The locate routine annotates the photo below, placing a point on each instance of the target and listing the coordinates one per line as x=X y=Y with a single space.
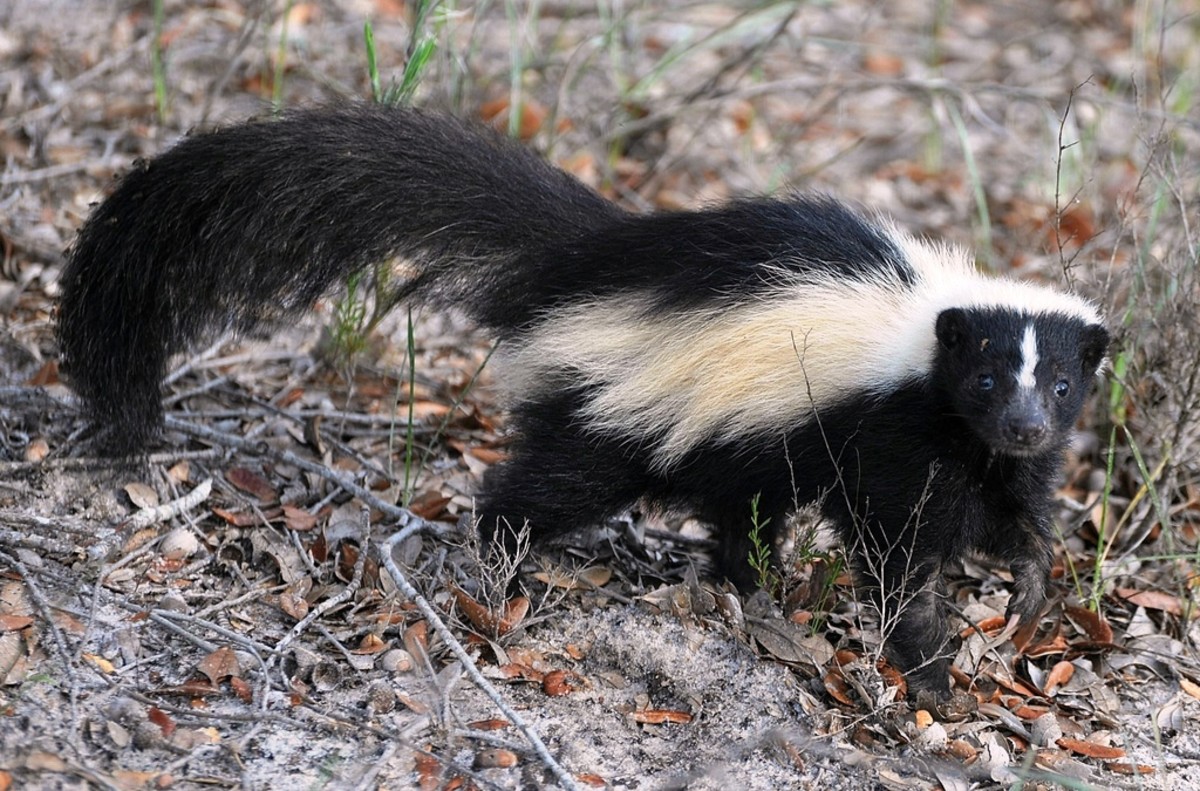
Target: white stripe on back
x=669 y=381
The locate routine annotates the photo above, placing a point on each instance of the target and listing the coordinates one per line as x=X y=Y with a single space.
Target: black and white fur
x=787 y=349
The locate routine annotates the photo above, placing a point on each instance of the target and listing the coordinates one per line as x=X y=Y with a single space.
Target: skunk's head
x=1017 y=379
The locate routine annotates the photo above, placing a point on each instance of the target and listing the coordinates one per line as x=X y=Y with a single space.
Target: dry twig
x=457 y=649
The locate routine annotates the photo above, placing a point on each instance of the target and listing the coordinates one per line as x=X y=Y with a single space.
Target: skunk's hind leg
x=558 y=477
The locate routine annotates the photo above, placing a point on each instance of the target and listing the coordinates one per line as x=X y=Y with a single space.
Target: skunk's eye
x=986 y=382
x=1061 y=388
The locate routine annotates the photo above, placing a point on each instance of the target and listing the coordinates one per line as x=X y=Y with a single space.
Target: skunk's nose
x=1028 y=429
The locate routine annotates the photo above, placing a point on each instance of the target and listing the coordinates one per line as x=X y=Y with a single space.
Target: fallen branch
x=169 y=510
x=392 y=511
x=344 y=595
x=150 y=516
x=461 y=654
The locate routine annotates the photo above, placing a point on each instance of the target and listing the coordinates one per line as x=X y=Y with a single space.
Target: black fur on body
x=629 y=335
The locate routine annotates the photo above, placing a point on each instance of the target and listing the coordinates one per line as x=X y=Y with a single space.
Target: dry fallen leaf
x=1090 y=749
x=562 y=682
x=844 y=657
x=962 y=750
x=1152 y=600
x=1093 y=624
x=1129 y=769
x=14 y=623
x=252 y=483
x=487 y=621
x=429 y=770
x=100 y=662
x=1051 y=645
x=298 y=519
x=495 y=758
x=488 y=456
x=533 y=116
x=835 y=685
x=131 y=779
x=393 y=9
x=479 y=615
x=581 y=165
x=40 y=760
x=414 y=705
x=249 y=518
x=533 y=657
x=178 y=473
x=525 y=672
x=883 y=63
x=162 y=720
x=371 y=643
x=220 y=665
x=1059 y=675
x=242 y=689
x=589 y=578
x=293 y=569
x=515 y=610
x=989 y=626
x=790 y=643
x=293 y=600
x=1075 y=226
x=801 y=617
x=1028 y=712
x=429 y=504
x=141 y=495
x=194 y=688
x=303 y=13
x=416 y=640
x=494 y=724
x=660 y=716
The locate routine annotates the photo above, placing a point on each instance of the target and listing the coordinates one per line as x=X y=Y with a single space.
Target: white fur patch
x=671 y=381
x=1029 y=359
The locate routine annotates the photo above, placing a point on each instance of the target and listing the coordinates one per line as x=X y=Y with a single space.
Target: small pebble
x=397 y=661
x=180 y=543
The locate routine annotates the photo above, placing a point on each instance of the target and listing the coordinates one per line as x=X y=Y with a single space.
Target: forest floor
x=228 y=611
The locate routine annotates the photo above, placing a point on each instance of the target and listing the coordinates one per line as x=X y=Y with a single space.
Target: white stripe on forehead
x=1029 y=358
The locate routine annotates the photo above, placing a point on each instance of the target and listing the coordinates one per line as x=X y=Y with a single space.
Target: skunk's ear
x=951 y=327
x=1094 y=347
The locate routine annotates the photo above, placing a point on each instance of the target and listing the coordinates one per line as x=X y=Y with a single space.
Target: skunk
x=780 y=350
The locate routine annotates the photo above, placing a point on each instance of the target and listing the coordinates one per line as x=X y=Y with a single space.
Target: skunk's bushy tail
x=257 y=221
